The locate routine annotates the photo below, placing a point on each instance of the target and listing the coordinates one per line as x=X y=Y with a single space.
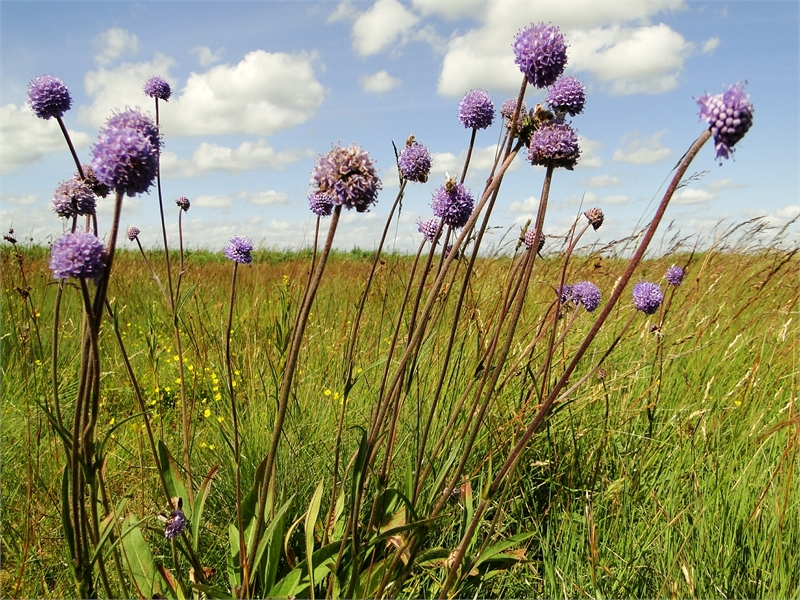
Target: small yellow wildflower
x=236 y=372
x=207 y=413
x=112 y=421
x=217 y=396
x=190 y=367
x=167 y=389
x=233 y=383
x=203 y=444
x=211 y=447
x=327 y=392
x=157 y=390
x=220 y=419
x=176 y=358
x=178 y=380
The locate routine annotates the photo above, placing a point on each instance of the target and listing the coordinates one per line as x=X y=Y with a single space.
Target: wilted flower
x=567 y=95
x=530 y=236
x=348 y=177
x=587 y=294
x=133 y=232
x=428 y=228
x=157 y=87
x=183 y=203
x=595 y=217
x=320 y=204
x=48 y=97
x=77 y=255
x=674 y=275
x=729 y=116
x=554 y=143
x=452 y=203
x=239 y=249
x=541 y=53
x=415 y=162
x=175 y=524
x=73 y=197
x=647 y=297
x=476 y=110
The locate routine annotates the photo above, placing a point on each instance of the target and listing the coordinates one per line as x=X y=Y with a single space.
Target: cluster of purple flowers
x=183 y=203
x=674 y=275
x=428 y=228
x=414 y=162
x=541 y=53
x=320 y=204
x=530 y=238
x=133 y=232
x=587 y=294
x=73 y=197
x=595 y=217
x=554 y=143
x=175 y=524
x=647 y=297
x=157 y=87
x=48 y=97
x=729 y=116
x=347 y=176
x=453 y=203
x=567 y=96
x=476 y=110
x=239 y=249
x=78 y=254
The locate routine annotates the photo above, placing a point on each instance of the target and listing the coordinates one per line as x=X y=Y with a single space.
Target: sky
x=261 y=89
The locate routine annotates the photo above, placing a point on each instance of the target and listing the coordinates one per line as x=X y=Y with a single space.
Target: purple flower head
x=320 y=204
x=476 y=110
x=77 y=255
x=530 y=236
x=90 y=178
x=157 y=87
x=73 y=197
x=175 y=524
x=48 y=97
x=183 y=203
x=729 y=116
x=132 y=118
x=647 y=297
x=595 y=216
x=125 y=160
x=587 y=294
x=348 y=177
x=415 y=162
x=239 y=249
x=567 y=95
x=674 y=275
x=541 y=53
x=449 y=250
x=428 y=228
x=564 y=293
x=554 y=142
x=133 y=232
x=452 y=203
x=509 y=106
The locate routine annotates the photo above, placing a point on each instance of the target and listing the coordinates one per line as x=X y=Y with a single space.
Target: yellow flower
x=178 y=380
x=217 y=396
x=202 y=444
x=157 y=390
x=176 y=358
x=233 y=383
x=190 y=367
x=167 y=389
x=112 y=421
x=236 y=372
x=212 y=447
x=207 y=413
x=336 y=395
x=359 y=370
x=327 y=392
x=220 y=419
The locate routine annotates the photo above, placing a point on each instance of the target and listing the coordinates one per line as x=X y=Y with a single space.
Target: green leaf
x=106 y=527
x=172 y=475
x=141 y=566
x=496 y=551
x=296 y=582
x=234 y=560
x=311 y=519
x=199 y=504
x=273 y=536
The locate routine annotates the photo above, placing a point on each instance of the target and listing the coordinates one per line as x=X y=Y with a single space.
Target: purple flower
x=567 y=95
x=449 y=250
x=729 y=116
x=415 y=162
x=564 y=293
x=647 y=297
x=90 y=178
x=239 y=249
x=530 y=236
x=183 y=203
x=452 y=203
x=674 y=275
x=595 y=217
x=554 y=143
x=157 y=87
x=348 y=177
x=48 y=97
x=541 y=53
x=134 y=119
x=587 y=294
x=320 y=204
x=133 y=232
x=428 y=228
x=175 y=524
x=73 y=197
x=77 y=255
x=476 y=110
x=125 y=160
x=509 y=106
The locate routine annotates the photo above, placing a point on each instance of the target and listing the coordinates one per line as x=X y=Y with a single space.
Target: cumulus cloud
x=343 y=11
x=113 y=44
x=642 y=151
x=19 y=199
x=590 y=159
x=249 y=156
x=602 y=181
x=268 y=198
x=378 y=83
x=381 y=26
x=214 y=201
x=454 y=9
x=710 y=45
x=482 y=160
x=725 y=184
x=693 y=196
x=206 y=57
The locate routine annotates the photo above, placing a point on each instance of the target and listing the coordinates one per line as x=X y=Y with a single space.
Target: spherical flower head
x=183 y=203
x=415 y=162
x=131 y=118
x=647 y=297
x=48 y=97
x=125 y=160
x=428 y=228
x=555 y=143
x=77 y=255
x=564 y=293
x=729 y=116
x=595 y=217
x=674 y=275
x=530 y=237
x=541 y=53
x=476 y=110
x=133 y=232
x=157 y=87
x=453 y=203
x=239 y=249
x=320 y=204
x=347 y=176
x=567 y=95
x=175 y=524
x=73 y=197
x=509 y=106
x=587 y=294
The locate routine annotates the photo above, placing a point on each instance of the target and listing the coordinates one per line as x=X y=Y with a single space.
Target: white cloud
x=379 y=83
x=206 y=57
x=602 y=181
x=113 y=44
x=344 y=11
x=725 y=184
x=640 y=152
x=482 y=160
x=249 y=156
x=268 y=198
x=214 y=201
x=453 y=9
x=25 y=139
x=381 y=26
x=788 y=212
x=692 y=196
x=527 y=206
x=710 y=45
x=589 y=199
x=589 y=159
x=19 y=199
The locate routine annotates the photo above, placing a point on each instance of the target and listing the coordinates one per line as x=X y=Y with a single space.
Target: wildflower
x=175 y=524
x=541 y=53
x=131 y=118
x=428 y=228
x=48 y=97
x=587 y=294
x=414 y=162
x=554 y=143
x=239 y=249
x=674 y=275
x=530 y=236
x=729 y=116
x=564 y=293
x=77 y=255
x=476 y=110
x=348 y=177
x=73 y=197
x=449 y=250
x=453 y=203
x=595 y=217
x=567 y=95
x=509 y=106
x=320 y=204
x=99 y=189
x=327 y=392
x=183 y=203
x=157 y=87
x=647 y=297
x=207 y=413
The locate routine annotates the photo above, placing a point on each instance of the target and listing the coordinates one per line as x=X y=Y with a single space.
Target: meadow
x=669 y=470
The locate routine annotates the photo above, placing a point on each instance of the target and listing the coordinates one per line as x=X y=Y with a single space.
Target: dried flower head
x=133 y=232
x=175 y=524
x=530 y=237
x=567 y=96
x=157 y=87
x=509 y=106
x=729 y=116
x=183 y=203
x=239 y=249
x=320 y=204
x=73 y=197
x=674 y=275
x=77 y=255
x=452 y=203
x=414 y=162
x=428 y=228
x=595 y=217
x=647 y=297
x=555 y=143
x=348 y=177
x=48 y=97
x=587 y=294
x=541 y=53
x=476 y=110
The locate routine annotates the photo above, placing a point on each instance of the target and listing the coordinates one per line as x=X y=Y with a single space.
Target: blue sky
x=260 y=89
